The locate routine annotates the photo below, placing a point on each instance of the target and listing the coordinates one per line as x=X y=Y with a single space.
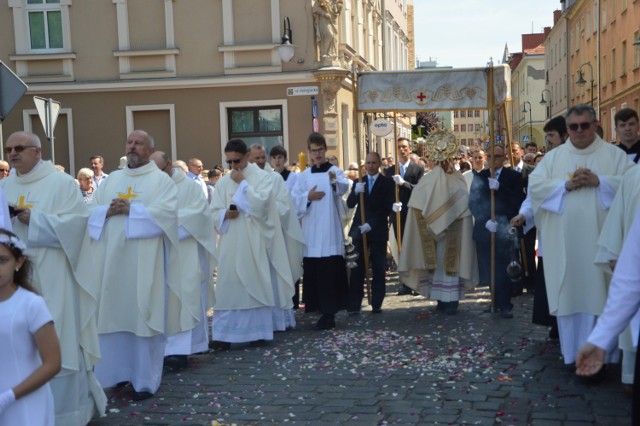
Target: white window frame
x=45 y=8
x=21 y=25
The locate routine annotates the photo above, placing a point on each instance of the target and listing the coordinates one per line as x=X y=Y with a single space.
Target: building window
x=455 y=114
x=636 y=51
x=45 y=24
x=463 y=114
x=463 y=127
x=623 y=70
x=456 y=128
x=476 y=113
x=261 y=125
x=477 y=128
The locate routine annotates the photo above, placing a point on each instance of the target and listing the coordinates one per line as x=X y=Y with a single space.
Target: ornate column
x=330 y=80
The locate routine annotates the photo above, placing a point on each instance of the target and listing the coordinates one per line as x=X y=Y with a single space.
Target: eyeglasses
x=584 y=125
x=316 y=151
x=230 y=162
x=17 y=148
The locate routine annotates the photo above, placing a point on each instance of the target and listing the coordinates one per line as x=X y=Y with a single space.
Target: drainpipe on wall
x=384 y=35
x=598 y=61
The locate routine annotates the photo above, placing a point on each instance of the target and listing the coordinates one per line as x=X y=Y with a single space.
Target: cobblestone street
x=409 y=365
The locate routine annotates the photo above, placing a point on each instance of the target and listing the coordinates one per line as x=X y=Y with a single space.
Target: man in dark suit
x=378 y=203
x=508 y=189
x=528 y=280
x=408 y=175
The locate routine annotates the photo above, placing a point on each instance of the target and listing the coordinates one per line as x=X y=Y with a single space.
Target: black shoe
x=553 y=333
x=176 y=362
x=121 y=384
x=325 y=323
x=404 y=291
x=141 y=396
x=258 y=343
x=506 y=313
x=217 y=345
x=451 y=311
x=376 y=311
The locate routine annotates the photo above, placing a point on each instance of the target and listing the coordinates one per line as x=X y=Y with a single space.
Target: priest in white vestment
x=196 y=251
x=438 y=254
x=251 y=242
x=623 y=303
x=571 y=191
x=134 y=232
x=283 y=316
x=51 y=219
x=614 y=231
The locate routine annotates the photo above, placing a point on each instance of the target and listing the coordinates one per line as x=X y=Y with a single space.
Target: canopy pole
x=490 y=101
x=363 y=220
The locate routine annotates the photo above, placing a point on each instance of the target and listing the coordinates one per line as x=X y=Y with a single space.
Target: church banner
x=432 y=90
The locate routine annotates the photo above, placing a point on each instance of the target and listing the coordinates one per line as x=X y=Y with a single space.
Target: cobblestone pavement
x=408 y=365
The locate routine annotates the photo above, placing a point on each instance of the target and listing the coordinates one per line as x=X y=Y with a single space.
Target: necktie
x=370 y=183
x=517 y=168
x=403 y=169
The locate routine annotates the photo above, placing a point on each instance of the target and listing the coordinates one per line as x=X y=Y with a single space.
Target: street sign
x=11 y=90
x=525 y=138
x=48 y=111
x=303 y=91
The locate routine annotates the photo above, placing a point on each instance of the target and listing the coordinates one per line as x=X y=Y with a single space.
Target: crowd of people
x=109 y=307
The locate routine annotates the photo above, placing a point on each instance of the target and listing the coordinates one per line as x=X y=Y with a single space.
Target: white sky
x=465 y=33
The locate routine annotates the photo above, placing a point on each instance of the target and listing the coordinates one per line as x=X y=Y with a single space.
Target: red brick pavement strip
x=409 y=365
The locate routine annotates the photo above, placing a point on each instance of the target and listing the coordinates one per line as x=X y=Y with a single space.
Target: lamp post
x=524 y=110
x=543 y=101
x=581 y=81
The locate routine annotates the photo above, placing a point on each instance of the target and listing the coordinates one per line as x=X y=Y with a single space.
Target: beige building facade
x=195 y=73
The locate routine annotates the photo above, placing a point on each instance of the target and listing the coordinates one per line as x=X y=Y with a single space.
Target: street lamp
x=581 y=81
x=543 y=101
x=524 y=110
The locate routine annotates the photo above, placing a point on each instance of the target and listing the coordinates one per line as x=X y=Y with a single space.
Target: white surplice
x=138 y=272
x=57 y=246
x=197 y=260
x=321 y=219
x=569 y=223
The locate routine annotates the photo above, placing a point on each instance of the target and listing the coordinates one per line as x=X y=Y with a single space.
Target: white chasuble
x=613 y=234
x=247 y=242
x=139 y=255
x=58 y=247
x=569 y=223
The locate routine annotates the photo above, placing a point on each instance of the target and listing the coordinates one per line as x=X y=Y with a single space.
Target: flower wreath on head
x=14 y=242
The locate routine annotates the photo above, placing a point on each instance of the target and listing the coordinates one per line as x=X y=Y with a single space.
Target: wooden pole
x=398 y=221
x=363 y=220
x=490 y=100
